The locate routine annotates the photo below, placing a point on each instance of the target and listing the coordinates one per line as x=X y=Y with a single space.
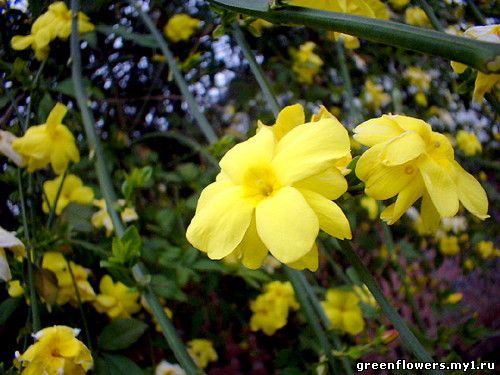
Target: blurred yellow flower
x=181 y=27
x=55 y=262
x=202 y=351
x=56 y=351
x=15 y=289
x=469 y=264
x=101 y=218
x=306 y=64
x=468 y=143
x=374 y=96
x=9 y=241
x=259 y=25
x=398 y=4
x=116 y=299
x=453 y=298
x=275 y=194
x=371 y=206
x=416 y=16
x=418 y=78
x=448 y=245
x=484 y=82
x=342 y=308
x=406 y=158
x=72 y=190
x=487 y=250
x=49 y=143
x=54 y=23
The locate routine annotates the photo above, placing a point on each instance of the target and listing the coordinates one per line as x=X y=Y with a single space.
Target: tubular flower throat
x=181 y=27
x=49 y=143
x=274 y=192
x=406 y=158
x=54 y=23
x=72 y=190
x=56 y=351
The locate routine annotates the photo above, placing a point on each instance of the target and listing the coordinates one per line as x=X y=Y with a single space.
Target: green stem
x=200 y=118
x=476 y=12
x=256 y=70
x=53 y=206
x=90 y=246
x=483 y=56
x=312 y=319
x=80 y=306
x=431 y=15
x=346 y=77
x=35 y=312
x=408 y=338
x=34 y=84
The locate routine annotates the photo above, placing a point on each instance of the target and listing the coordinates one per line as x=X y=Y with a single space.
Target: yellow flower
x=448 y=245
x=418 y=78
x=365 y=8
x=202 y=352
x=102 y=219
x=342 y=308
x=398 y=4
x=487 y=250
x=275 y=194
x=180 y=27
x=371 y=206
x=49 y=143
x=468 y=143
x=284 y=291
x=421 y=99
x=56 y=351
x=72 y=190
x=6 y=139
x=15 y=288
x=416 y=16
x=9 y=241
x=374 y=96
x=55 y=23
x=166 y=368
x=116 y=299
x=453 y=298
x=259 y=25
x=484 y=82
x=55 y=262
x=406 y=158
x=306 y=64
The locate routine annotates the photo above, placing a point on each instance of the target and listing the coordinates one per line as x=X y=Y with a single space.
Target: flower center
x=260 y=182
x=409 y=169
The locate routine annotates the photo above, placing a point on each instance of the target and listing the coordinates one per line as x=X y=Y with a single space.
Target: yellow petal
x=353 y=322
x=404 y=201
x=385 y=182
x=484 y=83
x=288 y=118
x=309 y=261
x=56 y=116
x=307 y=149
x=287 y=224
x=331 y=218
x=257 y=150
x=368 y=161
x=429 y=215
x=20 y=42
x=458 y=67
x=252 y=248
x=402 y=149
x=440 y=185
x=471 y=193
x=211 y=191
x=377 y=130
x=331 y=183
x=414 y=124
x=220 y=226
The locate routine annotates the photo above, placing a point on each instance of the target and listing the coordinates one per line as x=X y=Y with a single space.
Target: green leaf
x=7 y=308
x=121 y=334
x=112 y=364
x=78 y=217
x=126 y=250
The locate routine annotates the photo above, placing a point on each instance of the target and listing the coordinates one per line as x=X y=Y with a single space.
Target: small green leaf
x=7 y=308
x=121 y=334
x=111 y=364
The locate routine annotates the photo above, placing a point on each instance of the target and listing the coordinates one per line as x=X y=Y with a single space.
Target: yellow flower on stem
x=484 y=82
x=72 y=190
x=102 y=219
x=416 y=16
x=342 y=309
x=49 y=143
x=487 y=250
x=275 y=193
x=9 y=241
x=116 y=299
x=15 y=289
x=202 y=351
x=56 y=351
x=55 y=262
x=468 y=143
x=448 y=245
x=374 y=95
x=408 y=160
x=180 y=27
x=306 y=64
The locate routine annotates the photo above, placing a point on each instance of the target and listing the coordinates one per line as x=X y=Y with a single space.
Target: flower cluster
x=342 y=308
x=306 y=64
x=116 y=299
x=54 y=23
x=270 y=309
x=202 y=351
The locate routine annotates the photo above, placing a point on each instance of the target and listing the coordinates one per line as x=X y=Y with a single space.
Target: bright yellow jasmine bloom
x=484 y=82
x=487 y=250
x=102 y=219
x=406 y=158
x=275 y=194
x=468 y=143
x=448 y=245
x=416 y=16
x=116 y=299
x=181 y=27
x=49 y=143
x=202 y=351
x=55 y=23
x=55 y=262
x=453 y=298
x=6 y=139
x=56 y=351
x=167 y=368
x=9 y=241
x=342 y=308
x=72 y=190
x=306 y=64
x=371 y=206
x=15 y=288
x=374 y=96
x=282 y=290
x=365 y=8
